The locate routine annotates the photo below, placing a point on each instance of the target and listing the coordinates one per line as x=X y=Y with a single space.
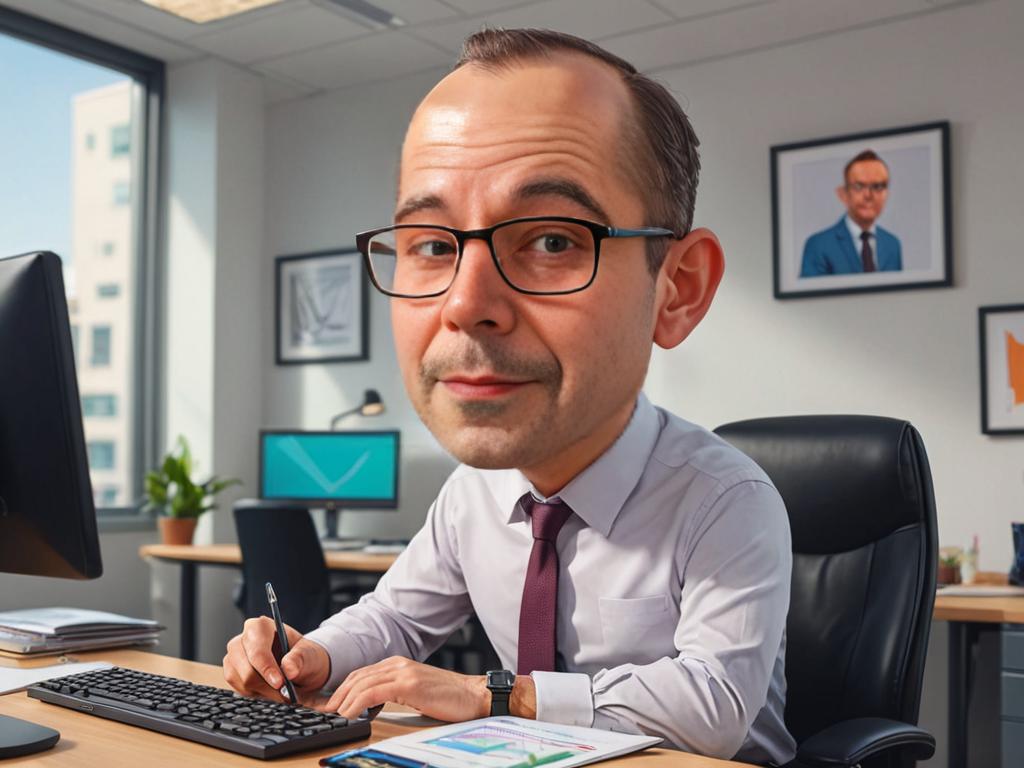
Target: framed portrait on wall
x=1001 y=341
x=321 y=308
x=862 y=212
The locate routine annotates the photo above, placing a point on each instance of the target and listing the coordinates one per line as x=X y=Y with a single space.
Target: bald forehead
x=564 y=90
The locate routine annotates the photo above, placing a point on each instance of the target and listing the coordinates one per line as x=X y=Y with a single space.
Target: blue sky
x=36 y=89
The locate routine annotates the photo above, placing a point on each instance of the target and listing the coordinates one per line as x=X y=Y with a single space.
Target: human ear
x=843 y=195
x=686 y=284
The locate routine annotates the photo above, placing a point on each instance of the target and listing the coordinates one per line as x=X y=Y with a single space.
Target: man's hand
x=250 y=669
x=435 y=692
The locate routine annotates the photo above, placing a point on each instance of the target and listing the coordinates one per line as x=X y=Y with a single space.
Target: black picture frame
x=327 y=292
x=804 y=178
x=998 y=386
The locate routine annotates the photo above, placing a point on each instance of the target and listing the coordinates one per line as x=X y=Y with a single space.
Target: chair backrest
x=862 y=512
x=279 y=544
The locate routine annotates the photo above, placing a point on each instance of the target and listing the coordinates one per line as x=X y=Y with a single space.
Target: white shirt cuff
x=342 y=650
x=564 y=697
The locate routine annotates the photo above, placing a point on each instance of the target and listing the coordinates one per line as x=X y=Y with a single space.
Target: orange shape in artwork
x=1015 y=364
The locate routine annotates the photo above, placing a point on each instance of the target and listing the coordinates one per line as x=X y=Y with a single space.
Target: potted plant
x=949 y=565
x=179 y=500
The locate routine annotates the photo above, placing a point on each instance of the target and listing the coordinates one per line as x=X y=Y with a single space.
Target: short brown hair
x=661 y=146
x=867 y=154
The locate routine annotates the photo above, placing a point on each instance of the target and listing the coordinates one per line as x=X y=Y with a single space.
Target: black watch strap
x=499 y=683
x=499 y=703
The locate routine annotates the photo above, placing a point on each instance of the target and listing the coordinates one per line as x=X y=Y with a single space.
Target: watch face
x=500 y=678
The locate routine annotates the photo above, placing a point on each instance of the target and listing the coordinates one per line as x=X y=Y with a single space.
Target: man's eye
x=551 y=243
x=432 y=248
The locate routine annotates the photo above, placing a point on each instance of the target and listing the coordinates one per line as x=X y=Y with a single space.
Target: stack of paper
x=42 y=631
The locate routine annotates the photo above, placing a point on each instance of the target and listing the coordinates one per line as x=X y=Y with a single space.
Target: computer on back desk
x=332 y=470
x=48 y=528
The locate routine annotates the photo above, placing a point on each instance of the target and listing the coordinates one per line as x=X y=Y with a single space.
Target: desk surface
x=984 y=610
x=87 y=740
x=230 y=554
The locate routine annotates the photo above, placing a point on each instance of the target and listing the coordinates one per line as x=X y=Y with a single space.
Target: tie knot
x=865 y=236
x=547 y=519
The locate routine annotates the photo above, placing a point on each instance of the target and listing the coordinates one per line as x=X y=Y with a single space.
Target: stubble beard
x=491 y=434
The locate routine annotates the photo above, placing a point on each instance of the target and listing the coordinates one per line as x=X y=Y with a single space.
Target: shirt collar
x=599 y=492
x=855 y=229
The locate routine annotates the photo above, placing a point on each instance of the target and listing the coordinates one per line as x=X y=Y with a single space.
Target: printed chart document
x=497 y=742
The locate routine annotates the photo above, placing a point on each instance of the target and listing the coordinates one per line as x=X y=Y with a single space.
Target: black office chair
x=279 y=544
x=862 y=512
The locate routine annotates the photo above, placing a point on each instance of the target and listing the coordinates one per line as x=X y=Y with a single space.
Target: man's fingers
x=240 y=675
x=307 y=664
x=257 y=640
x=381 y=680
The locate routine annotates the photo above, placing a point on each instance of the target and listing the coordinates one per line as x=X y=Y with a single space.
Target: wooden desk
x=190 y=557
x=968 y=618
x=87 y=740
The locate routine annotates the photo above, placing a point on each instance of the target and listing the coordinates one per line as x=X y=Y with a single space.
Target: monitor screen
x=333 y=469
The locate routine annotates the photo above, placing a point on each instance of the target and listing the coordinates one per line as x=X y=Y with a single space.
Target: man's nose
x=478 y=297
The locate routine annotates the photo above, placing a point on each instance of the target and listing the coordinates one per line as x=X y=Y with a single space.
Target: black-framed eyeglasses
x=876 y=186
x=538 y=255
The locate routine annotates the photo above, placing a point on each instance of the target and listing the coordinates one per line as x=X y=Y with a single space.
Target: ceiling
x=302 y=47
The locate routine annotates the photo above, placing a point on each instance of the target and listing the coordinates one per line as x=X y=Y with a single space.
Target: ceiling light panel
x=204 y=11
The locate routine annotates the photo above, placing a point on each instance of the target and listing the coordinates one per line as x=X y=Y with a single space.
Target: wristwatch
x=499 y=683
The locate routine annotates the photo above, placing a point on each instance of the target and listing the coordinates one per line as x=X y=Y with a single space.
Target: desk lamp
x=372 y=405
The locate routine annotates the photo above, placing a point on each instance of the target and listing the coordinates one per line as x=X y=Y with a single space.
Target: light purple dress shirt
x=673 y=591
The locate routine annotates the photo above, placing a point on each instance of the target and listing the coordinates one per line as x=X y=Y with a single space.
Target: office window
x=101 y=454
x=120 y=140
x=100 y=346
x=106 y=497
x=92 y=138
x=99 y=405
x=122 y=193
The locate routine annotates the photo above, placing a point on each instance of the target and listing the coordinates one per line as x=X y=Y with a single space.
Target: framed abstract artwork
x=321 y=305
x=862 y=212
x=1001 y=341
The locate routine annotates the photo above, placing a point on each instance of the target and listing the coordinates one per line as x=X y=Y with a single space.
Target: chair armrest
x=849 y=742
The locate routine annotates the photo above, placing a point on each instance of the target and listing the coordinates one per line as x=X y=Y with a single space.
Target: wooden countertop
x=230 y=554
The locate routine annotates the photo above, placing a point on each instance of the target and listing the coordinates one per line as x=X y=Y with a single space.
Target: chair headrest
x=846 y=480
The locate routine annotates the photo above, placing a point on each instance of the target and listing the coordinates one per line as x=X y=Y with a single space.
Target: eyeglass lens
x=540 y=256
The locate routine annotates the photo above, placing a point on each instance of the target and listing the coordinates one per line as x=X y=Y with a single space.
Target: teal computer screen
x=341 y=468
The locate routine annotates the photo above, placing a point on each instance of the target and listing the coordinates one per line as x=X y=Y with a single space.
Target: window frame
x=147 y=160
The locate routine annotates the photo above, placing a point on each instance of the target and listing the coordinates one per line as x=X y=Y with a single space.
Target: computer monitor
x=331 y=470
x=47 y=517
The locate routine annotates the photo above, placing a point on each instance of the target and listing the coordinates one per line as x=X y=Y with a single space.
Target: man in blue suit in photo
x=855 y=243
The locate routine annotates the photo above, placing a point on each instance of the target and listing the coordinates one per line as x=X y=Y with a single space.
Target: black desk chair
x=862 y=513
x=279 y=544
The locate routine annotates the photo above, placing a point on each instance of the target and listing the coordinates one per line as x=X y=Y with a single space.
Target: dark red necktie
x=538 y=610
x=866 y=254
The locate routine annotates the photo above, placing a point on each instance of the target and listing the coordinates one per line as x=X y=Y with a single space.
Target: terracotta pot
x=177 y=530
x=949 y=574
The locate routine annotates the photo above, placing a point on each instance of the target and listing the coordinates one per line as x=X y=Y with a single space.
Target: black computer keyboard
x=201 y=713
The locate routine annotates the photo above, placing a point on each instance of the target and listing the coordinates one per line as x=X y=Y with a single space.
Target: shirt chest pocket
x=637 y=624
